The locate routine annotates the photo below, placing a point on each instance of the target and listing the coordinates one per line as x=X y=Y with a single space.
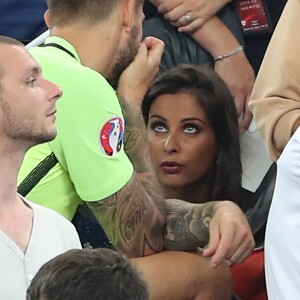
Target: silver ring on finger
x=188 y=18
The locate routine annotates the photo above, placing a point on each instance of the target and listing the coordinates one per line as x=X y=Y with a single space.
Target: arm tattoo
x=131 y=220
x=187 y=225
x=131 y=139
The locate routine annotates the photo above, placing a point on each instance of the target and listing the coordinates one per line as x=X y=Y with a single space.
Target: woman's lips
x=171 y=168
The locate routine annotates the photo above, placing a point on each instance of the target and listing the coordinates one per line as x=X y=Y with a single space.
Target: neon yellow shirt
x=89 y=148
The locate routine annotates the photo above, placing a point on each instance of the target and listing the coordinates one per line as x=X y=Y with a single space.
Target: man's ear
x=129 y=14
x=47 y=18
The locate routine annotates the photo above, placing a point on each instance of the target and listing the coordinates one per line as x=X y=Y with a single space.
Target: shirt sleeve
x=275 y=100
x=89 y=144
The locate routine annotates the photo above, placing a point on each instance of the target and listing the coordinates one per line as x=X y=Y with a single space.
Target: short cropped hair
x=94 y=274
x=214 y=97
x=10 y=41
x=87 y=11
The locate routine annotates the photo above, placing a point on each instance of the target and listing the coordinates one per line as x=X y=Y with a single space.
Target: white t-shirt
x=51 y=235
x=282 y=242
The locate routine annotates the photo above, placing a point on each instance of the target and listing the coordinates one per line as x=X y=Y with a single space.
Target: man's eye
x=31 y=81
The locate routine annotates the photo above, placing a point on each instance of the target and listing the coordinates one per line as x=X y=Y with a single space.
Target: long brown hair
x=215 y=98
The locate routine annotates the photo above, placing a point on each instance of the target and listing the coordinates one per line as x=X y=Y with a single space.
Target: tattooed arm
x=139 y=223
x=220 y=224
x=131 y=219
x=187 y=223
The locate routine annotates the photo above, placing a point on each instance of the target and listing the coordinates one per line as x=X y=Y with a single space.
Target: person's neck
x=96 y=45
x=198 y=192
x=10 y=162
x=15 y=216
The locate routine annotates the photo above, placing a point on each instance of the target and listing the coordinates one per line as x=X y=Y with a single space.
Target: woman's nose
x=171 y=143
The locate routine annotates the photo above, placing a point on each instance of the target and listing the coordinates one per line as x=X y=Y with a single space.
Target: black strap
x=59 y=47
x=34 y=177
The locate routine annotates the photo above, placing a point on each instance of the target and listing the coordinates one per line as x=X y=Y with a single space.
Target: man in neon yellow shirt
x=88 y=119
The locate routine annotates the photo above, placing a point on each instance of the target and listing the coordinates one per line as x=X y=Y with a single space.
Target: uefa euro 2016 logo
x=111 y=136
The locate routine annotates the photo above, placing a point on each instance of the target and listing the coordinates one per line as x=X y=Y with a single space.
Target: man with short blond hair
x=30 y=234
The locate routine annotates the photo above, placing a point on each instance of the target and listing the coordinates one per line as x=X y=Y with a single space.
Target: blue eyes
x=159 y=128
x=162 y=128
x=190 y=129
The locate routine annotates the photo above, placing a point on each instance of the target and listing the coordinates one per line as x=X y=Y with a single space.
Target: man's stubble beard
x=124 y=57
x=23 y=127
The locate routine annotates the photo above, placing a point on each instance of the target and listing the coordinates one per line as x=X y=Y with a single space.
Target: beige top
x=275 y=100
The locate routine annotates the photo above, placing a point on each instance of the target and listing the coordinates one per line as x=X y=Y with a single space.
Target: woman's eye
x=158 y=127
x=190 y=129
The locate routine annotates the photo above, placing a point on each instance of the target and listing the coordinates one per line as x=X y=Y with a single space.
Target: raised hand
x=137 y=77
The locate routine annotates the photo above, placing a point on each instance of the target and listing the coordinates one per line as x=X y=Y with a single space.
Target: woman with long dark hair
x=193 y=133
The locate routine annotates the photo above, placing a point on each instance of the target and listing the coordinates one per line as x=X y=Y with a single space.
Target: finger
x=214 y=239
x=242 y=252
x=244 y=257
x=176 y=13
x=141 y=52
x=223 y=247
x=246 y=120
x=168 y=6
x=155 y=49
x=192 y=26
x=183 y=20
x=240 y=243
x=152 y=42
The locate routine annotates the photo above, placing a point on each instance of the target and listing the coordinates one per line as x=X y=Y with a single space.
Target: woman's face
x=182 y=142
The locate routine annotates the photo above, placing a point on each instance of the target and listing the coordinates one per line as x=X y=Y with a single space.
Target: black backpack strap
x=58 y=47
x=34 y=177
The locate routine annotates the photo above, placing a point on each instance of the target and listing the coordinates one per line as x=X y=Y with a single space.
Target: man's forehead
x=6 y=48
x=19 y=57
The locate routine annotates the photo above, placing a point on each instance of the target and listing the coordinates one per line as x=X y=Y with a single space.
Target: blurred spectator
x=93 y=274
x=22 y=19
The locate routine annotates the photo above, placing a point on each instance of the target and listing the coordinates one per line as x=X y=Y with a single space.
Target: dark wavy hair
x=215 y=98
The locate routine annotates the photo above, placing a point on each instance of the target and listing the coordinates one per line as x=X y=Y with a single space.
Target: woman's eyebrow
x=194 y=119
x=156 y=116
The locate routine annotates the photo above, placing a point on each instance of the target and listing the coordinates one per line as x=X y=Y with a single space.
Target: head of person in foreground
x=94 y=274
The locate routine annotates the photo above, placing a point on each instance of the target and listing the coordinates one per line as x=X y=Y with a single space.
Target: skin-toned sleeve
x=275 y=100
